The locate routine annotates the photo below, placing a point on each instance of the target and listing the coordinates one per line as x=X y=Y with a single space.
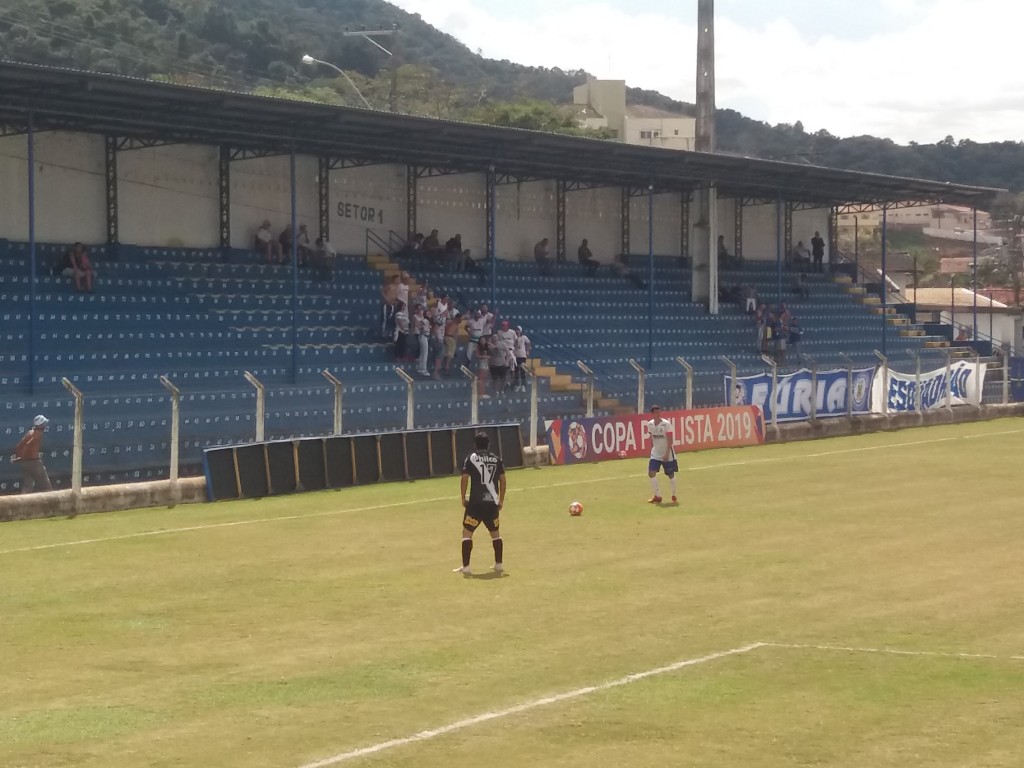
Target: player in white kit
x=663 y=454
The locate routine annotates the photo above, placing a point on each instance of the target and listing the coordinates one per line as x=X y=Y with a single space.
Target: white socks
x=654 y=485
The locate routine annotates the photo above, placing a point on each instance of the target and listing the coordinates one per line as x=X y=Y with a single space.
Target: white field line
x=525 y=707
x=325 y=513
x=892 y=651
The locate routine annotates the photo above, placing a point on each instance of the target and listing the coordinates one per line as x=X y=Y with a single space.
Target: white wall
x=370 y=197
x=807 y=222
x=594 y=214
x=261 y=189
x=168 y=196
x=524 y=215
x=454 y=205
x=667 y=221
x=70 y=188
x=760 y=228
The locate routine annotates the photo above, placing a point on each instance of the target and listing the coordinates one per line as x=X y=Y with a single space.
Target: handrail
x=373 y=237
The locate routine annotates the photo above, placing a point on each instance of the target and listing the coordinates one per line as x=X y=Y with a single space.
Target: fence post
x=977 y=375
x=590 y=387
x=689 y=382
x=410 y=405
x=849 y=385
x=732 y=378
x=1006 y=378
x=641 y=384
x=949 y=380
x=775 y=390
x=336 y=383
x=76 y=452
x=885 y=382
x=261 y=404
x=474 y=395
x=918 y=400
x=175 y=444
x=814 y=388
x=534 y=416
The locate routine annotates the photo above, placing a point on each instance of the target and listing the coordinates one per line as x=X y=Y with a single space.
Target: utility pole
x=705 y=258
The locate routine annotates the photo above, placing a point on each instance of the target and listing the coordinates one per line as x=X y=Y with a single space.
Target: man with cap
x=26 y=452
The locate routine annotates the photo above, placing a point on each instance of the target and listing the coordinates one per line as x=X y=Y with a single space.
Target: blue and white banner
x=794 y=396
x=966 y=383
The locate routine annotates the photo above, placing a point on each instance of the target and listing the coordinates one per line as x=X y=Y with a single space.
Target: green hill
x=259 y=44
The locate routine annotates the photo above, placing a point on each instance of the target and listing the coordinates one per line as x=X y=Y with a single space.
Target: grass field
x=771 y=609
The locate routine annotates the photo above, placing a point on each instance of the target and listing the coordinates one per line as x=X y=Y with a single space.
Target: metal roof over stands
x=148 y=113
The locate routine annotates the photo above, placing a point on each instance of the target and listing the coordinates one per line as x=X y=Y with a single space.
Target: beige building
x=602 y=104
x=949 y=221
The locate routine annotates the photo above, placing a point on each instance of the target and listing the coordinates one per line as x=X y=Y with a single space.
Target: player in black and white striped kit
x=483 y=475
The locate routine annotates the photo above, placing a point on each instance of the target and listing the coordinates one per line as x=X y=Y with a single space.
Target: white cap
x=40 y=421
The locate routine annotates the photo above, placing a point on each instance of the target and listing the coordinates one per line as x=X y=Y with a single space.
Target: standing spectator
x=438 y=323
x=451 y=334
x=483 y=352
x=488 y=319
x=523 y=347
x=483 y=475
x=411 y=248
x=749 y=293
x=77 y=265
x=453 y=252
x=818 y=252
x=587 y=258
x=265 y=244
x=422 y=326
x=780 y=331
x=508 y=339
x=26 y=453
x=497 y=362
x=795 y=335
x=475 y=330
x=725 y=259
x=388 y=297
x=402 y=291
x=401 y=329
x=432 y=251
x=540 y=255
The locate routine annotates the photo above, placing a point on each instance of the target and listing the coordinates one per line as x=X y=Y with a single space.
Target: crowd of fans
x=426 y=329
x=320 y=255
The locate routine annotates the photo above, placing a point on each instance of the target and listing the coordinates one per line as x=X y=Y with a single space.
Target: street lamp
x=307 y=59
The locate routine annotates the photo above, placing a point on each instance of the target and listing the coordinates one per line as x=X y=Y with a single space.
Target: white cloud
x=939 y=67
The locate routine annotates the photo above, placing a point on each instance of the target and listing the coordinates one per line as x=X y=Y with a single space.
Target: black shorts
x=477 y=512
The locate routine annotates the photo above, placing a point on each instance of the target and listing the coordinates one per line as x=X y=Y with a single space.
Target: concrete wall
x=455 y=205
x=70 y=188
x=594 y=214
x=525 y=214
x=261 y=189
x=667 y=220
x=370 y=197
x=760 y=228
x=807 y=222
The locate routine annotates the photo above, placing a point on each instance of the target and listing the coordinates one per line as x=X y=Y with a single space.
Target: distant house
x=949 y=222
x=602 y=104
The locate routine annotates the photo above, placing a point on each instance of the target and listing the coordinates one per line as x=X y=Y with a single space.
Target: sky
x=908 y=70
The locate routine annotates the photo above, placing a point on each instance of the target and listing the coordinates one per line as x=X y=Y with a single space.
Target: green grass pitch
x=297 y=631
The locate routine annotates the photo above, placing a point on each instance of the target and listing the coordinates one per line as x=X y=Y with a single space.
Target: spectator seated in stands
x=729 y=293
x=587 y=258
x=303 y=249
x=265 y=244
x=431 y=248
x=800 y=257
x=542 y=257
x=323 y=258
x=413 y=247
x=726 y=259
x=453 y=252
x=800 y=287
x=76 y=264
x=621 y=268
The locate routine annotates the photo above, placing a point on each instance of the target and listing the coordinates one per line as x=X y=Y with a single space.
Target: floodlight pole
x=590 y=387
x=732 y=378
x=849 y=384
x=336 y=383
x=261 y=404
x=307 y=59
x=410 y=405
x=474 y=395
x=76 y=453
x=175 y=426
x=689 y=382
x=885 y=381
x=641 y=381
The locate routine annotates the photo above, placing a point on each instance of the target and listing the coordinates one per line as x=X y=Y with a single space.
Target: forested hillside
x=259 y=44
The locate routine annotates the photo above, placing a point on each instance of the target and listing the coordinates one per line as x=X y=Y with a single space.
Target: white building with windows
x=602 y=104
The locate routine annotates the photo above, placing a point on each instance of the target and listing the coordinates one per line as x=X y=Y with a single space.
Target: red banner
x=576 y=440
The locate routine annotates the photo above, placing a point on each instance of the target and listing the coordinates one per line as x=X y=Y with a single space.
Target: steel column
x=31 y=136
x=650 y=276
x=224 y=197
x=411 y=181
x=833 y=236
x=110 y=168
x=974 y=277
x=323 y=188
x=560 y=220
x=624 y=217
x=787 y=243
x=295 y=269
x=885 y=280
x=737 y=244
x=491 y=194
x=684 y=226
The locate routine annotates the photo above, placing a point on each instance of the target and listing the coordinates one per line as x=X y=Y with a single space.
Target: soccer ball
x=622 y=454
x=575 y=509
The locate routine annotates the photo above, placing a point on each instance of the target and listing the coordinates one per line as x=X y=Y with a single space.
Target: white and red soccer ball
x=575 y=509
x=622 y=454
